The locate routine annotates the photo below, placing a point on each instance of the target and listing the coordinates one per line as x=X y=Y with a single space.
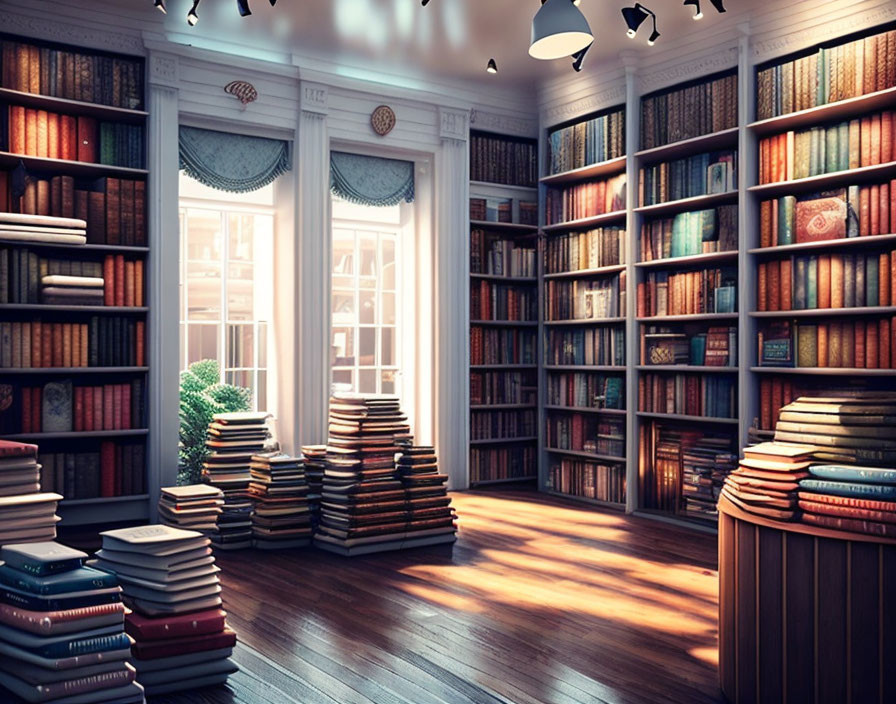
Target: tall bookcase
x=68 y=98
x=504 y=309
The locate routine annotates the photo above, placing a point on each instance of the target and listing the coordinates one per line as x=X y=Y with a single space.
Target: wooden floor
x=540 y=601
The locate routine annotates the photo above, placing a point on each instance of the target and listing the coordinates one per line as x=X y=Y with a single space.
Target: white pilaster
x=451 y=268
x=163 y=333
x=313 y=309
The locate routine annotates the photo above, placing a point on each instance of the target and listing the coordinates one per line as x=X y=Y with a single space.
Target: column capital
x=164 y=70
x=314 y=99
x=454 y=124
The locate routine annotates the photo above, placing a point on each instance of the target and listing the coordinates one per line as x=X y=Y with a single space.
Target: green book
x=79 y=579
x=823 y=77
x=786 y=218
x=698 y=349
x=831 y=149
x=849 y=280
x=843 y=146
x=708 y=230
x=807 y=346
x=678 y=230
x=872 y=282
x=800 y=283
x=812 y=283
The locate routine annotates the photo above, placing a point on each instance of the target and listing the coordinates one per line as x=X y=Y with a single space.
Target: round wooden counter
x=805 y=614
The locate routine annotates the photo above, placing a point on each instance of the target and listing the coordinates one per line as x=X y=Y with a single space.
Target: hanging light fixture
x=634 y=18
x=696 y=3
x=160 y=4
x=192 y=15
x=559 y=29
x=492 y=66
x=579 y=58
x=243 y=7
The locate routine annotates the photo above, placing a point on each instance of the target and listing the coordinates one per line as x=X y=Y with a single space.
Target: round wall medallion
x=382 y=120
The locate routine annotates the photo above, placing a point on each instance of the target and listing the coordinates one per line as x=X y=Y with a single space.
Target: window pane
x=368 y=254
x=262 y=344
x=203 y=290
x=388 y=309
x=242 y=229
x=241 y=377
x=368 y=307
x=367 y=347
x=343 y=251
x=343 y=281
x=202 y=342
x=261 y=390
x=342 y=380
x=240 y=345
x=344 y=308
x=367 y=381
x=387 y=355
x=388 y=379
x=240 y=292
x=388 y=281
x=343 y=347
x=204 y=235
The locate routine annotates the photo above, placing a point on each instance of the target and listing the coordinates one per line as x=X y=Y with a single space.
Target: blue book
x=856 y=490
x=77 y=580
x=812 y=283
x=58 y=602
x=871 y=281
x=698 y=350
x=851 y=473
x=42 y=558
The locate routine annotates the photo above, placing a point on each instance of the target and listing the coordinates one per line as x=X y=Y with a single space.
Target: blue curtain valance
x=232 y=162
x=371 y=180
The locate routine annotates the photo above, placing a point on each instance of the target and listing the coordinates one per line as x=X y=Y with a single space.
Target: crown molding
x=454 y=124
x=503 y=124
x=718 y=61
x=63 y=31
x=606 y=98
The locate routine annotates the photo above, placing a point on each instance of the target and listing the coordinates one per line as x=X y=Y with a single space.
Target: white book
x=50 y=238
x=42 y=220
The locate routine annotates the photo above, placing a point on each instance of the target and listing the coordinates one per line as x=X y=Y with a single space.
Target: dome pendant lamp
x=559 y=29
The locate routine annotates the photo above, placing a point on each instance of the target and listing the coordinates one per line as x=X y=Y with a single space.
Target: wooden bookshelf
x=610 y=167
x=715 y=141
x=85 y=174
x=822 y=182
x=824 y=312
x=690 y=261
x=611 y=218
x=502 y=226
x=685 y=204
x=870 y=241
x=584 y=273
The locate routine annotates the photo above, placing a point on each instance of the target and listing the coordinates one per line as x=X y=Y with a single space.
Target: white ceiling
x=450 y=39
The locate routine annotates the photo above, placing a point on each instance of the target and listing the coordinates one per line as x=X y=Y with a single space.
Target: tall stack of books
x=281 y=517
x=767 y=480
x=21 y=227
x=194 y=507
x=26 y=514
x=233 y=438
x=429 y=509
x=170 y=582
x=315 y=463
x=62 y=636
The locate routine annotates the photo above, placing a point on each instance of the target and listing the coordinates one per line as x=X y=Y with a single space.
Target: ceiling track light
x=696 y=3
x=273 y=2
x=424 y=2
x=243 y=7
x=160 y=4
x=634 y=18
x=492 y=66
x=579 y=58
x=559 y=29
x=192 y=15
x=718 y=5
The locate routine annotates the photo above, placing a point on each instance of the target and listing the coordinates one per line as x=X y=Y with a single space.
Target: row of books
x=774 y=394
x=849 y=344
x=854 y=211
x=488 y=388
x=691 y=111
x=498 y=463
x=585 y=390
x=496 y=301
x=592 y=480
x=59 y=407
x=501 y=257
x=587 y=142
x=584 y=200
x=864 y=141
x=711 y=395
x=487 y=425
x=585 y=249
x=104 y=341
x=72 y=75
x=501 y=210
x=697 y=175
x=827 y=281
x=585 y=299
x=687 y=293
x=580 y=432
x=714 y=347
x=490 y=345
x=46 y=134
x=498 y=159
x=604 y=345
x=828 y=75
x=693 y=232
x=113 y=468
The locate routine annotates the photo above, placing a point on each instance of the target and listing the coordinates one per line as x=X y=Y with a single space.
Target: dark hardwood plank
x=831 y=620
x=770 y=614
x=863 y=647
x=800 y=619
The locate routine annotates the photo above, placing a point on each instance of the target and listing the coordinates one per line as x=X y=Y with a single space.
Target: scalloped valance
x=371 y=180
x=232 y=162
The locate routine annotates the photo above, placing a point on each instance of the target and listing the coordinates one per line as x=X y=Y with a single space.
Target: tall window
x=366 y=322
x=226 y=273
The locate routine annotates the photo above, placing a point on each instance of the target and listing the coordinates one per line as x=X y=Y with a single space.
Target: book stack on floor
x=315 y=463
x=767 y=480
x=72 y=290
x=233 y=438
x=194 y=507
x=281 y=517
x=62 y=636
x=170 y=582
x=428 y=505
x=20 y=227
x=364 y=505
x=26 y=514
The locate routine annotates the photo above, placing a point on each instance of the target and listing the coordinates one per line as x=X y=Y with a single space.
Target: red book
x=78 y=412
x=108 y=408
x=859 y=355
x=765 y=404
x=198 y=623
x=53 y=136
x=777 y=400
x=36 y=408
x=883 y=278
x=893 y=200
x=874 y=208
x=886 y=137
x=109 y=280
x=883 y=338
x=87 y=139
x=761 y=287
x=886 y=227
x=151 y=650
x=107 y=468
x=138 y=282
x=865 y=136
x=68 y=138
x=88 y=408
x=872 y=351
x=130 y=297
x=126 y=406
x=8 y=448
x=98 y=408
x=116 y=407
x=17 y=124
x=37 y=342
x=119 y=471
x=26 y=411
x=140 y=355
x=786 y=284
x=774 y=285
x=119 y=279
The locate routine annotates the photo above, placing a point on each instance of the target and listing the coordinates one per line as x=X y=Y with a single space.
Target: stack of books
x=851 y=498
x=72 y=290
x=20 y=227
x=429 y=511
x=194 y=507
x=315 y=463
x=170 y=583
x=281 y=517
x=704 y=468
x=26 y=514
x=233 y=438
x=767 y=480
x=62 y=636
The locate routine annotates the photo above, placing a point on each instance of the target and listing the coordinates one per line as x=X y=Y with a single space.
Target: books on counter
x=498 y=159
x=767 y=479
x=866 y=343
x=40 y=227
x=828 y=75
x=490 y=345
x=584 y=200
x=195 y=507
x=697 y=175
x=588 y=141
x=281 y=516
x=687 y=293
x=588 y=249
x=169 y=580
x=690 y=233
x=62 y=636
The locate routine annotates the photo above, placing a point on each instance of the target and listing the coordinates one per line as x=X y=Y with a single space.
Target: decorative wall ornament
x=382 y=119
x=164 y=69
x=242 y=90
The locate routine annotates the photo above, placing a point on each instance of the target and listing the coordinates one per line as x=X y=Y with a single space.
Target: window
x=366 y=307
x=226 y=273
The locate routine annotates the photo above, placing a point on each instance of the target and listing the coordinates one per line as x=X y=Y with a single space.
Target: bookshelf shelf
x=824 y=113
x=587 y=321
x=501 y=441
x=825 y=371
x=582 y=409
x=700 y=369
x=43 y=307
x=509 y=279
x=72 y=107
x=592 y=221
x=863 y=174
x=9 y=160
x=486 y=367
x=824 y=312
x=506 y=323
x=105 y=499
x=78 y=512
x=586 y=499
x=844 y=243
x=505 y=480
x=687 y=418
x=683 y=204
x=692 y=317
x=687 y=147
x=689 y=261
x=504 y=226
x=500 y=406
x=610 y=167
x=585 y=273
x=617 y=368
x=586 y=455
x=491 y=185
x=97 y=248
x=77 y=435
x=73 y=370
